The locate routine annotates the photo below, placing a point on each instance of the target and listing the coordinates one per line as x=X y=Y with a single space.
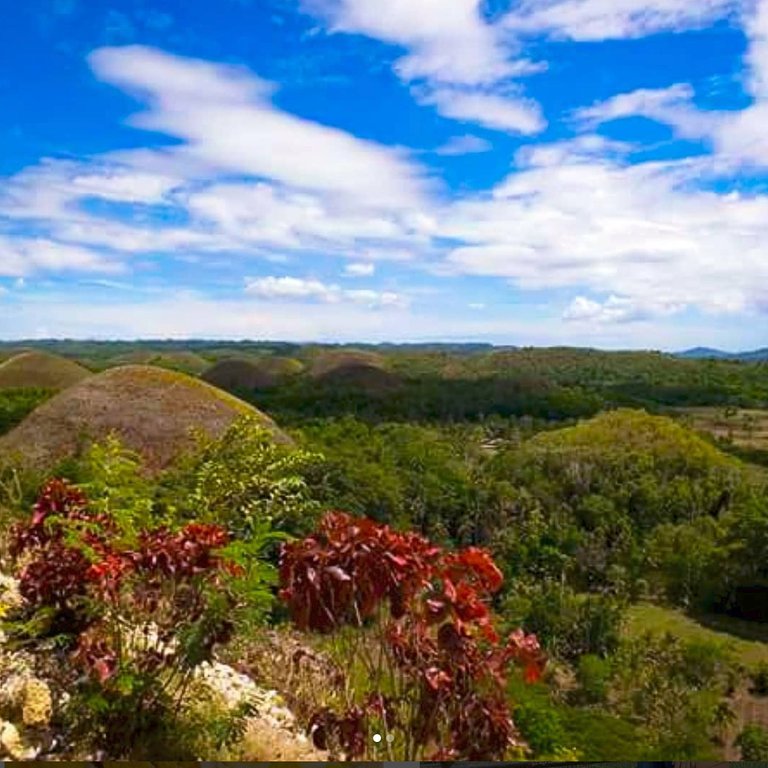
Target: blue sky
x=586 y=172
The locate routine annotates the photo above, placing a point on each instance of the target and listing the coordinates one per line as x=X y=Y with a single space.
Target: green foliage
x=593 y=675
x=753 y=742
x=405 y=474
x=141 y=600
x=602 y=736
x=673 y=688
x=16 y=404
x=569 y=625
x=111 y=476
x=760 y=680
x=686 y=561
x=242 y=480
x=542 y=729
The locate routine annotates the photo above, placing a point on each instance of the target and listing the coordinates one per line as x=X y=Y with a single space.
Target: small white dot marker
x=377 y=737
x=390 y=737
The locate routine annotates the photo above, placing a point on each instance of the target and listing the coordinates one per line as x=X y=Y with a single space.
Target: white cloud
x=270 y=215
x=757 y=56
x=642 y=232
x=227 y=120
x=737 y=137
x=586 y=20
x=464 y=145
x=502 y=113
x=673 y=106
x=448 y=41
x=459 y=58
x=190 y=315
x=22 y=256
x=298 y=289
x=290 y=288
x=360 y=269
x=124 y=187
x=618 y=309
x=306 y=187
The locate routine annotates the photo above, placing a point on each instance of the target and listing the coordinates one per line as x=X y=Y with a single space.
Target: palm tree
x=723 y=719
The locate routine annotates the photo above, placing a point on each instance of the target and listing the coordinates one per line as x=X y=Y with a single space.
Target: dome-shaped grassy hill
x=152 y=411
x=353 y=369
x=358 y=376
x=184 y=362
x=624 y=469
x=626 y=429
x=40 y=370
x=249 y=374
x=627 y=444
x=325 y=361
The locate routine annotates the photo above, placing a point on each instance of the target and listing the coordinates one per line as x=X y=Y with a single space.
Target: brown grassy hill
x=359 y=376
x=325 y=361
x=150 y=409
x=39 y=369
x=241 y=374
x=184 y=362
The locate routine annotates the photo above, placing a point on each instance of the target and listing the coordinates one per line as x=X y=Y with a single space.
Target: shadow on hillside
x=741 y=628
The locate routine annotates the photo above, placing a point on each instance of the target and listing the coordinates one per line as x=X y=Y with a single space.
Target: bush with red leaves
x=425 y=633
x=140 y=616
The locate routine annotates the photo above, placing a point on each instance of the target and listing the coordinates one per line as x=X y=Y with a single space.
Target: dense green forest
x=612 y=519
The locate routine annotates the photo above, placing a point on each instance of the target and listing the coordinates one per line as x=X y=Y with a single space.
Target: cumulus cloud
x=618 y=309
x=124 y=186
x=639 y=232
x=447 y=42
x=590 y=20
x=737 y=137
x=360 y=269
x=503 y=113
x=673 y=106
x=22 y=256
x=298 y=289
x=459 y=58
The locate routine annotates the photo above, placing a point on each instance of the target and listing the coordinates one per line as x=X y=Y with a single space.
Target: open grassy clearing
x=731 y=632
x=745 y=428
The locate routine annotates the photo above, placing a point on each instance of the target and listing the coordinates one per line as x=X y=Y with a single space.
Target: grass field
x=743 y=428
x=749 y=641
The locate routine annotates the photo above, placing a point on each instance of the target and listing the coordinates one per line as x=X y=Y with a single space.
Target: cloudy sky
x=588 y=172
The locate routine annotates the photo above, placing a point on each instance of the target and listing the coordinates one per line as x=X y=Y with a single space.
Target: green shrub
x=541 y=727
x=593 y=675
x=137 y=604
x=753 y=742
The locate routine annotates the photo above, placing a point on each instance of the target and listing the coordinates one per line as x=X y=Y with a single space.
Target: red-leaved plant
x=412 y=622
x=142 y=610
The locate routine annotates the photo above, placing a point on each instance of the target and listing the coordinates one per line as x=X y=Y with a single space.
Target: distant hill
x=152 y=410
x=182 y=361
x=707 y=353
x=325 y=361
x=238 y=374
x=40 y=370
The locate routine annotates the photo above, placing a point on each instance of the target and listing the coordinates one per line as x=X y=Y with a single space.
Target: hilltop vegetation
x=561 y=492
